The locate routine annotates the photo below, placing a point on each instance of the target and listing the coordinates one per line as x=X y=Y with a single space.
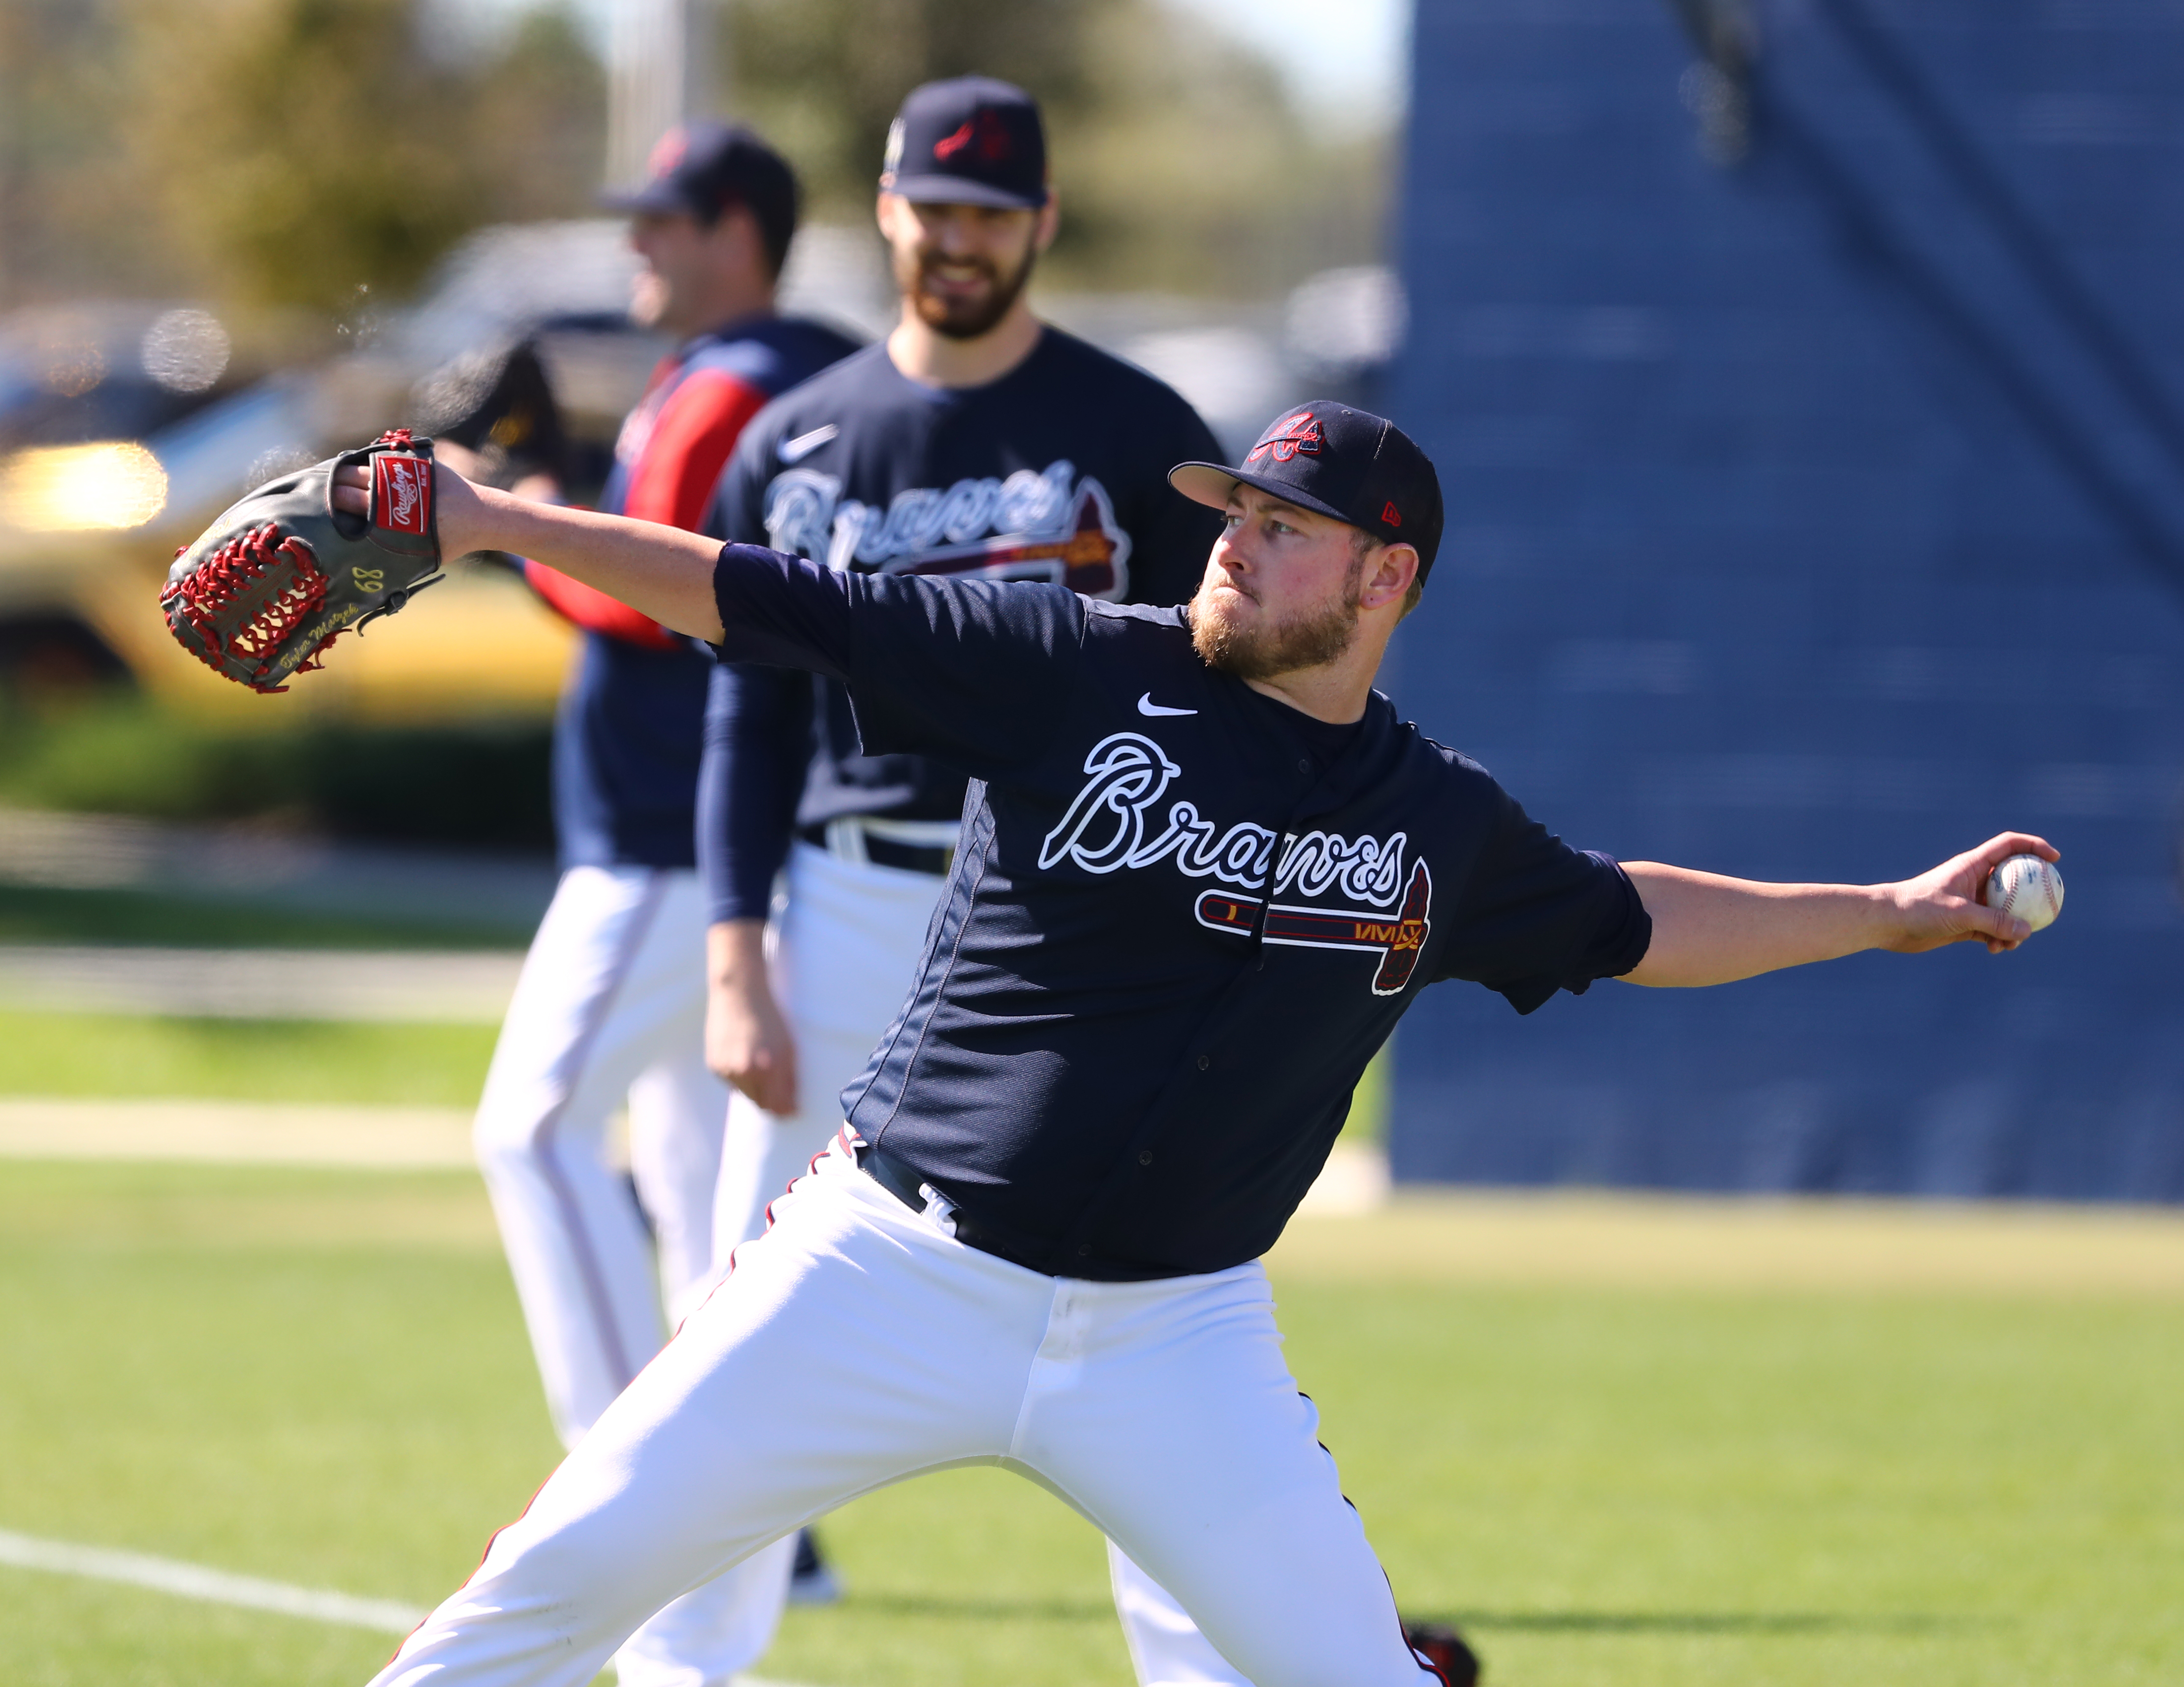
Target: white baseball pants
x=609 y=1008
x=842 y=950
x=855 y=1344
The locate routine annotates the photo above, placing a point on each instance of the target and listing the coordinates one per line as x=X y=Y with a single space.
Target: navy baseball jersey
x=628 y=737
x=1056 y=473
x=1182 y=919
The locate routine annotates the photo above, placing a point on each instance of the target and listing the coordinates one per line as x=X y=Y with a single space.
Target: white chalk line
x=216 y=1587
x=220 y=1587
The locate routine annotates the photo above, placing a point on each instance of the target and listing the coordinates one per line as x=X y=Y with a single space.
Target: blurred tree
x=1181 y=163
x=536 y=120
x=280 y=152
x=308 y=148
x=286 y=151
x=303 y=145
x=66 y=212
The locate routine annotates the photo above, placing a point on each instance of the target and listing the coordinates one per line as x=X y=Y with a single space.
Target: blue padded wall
x=1813 y=516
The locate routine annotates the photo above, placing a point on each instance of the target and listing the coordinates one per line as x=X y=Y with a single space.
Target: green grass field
x=37 y=914
x=134 y=1055
x=322 y=1378
x=125 y=1055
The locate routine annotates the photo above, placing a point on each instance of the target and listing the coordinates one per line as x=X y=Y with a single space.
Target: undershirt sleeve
x=758 y=739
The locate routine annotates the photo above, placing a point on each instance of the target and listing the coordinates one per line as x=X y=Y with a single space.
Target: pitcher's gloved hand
x=280 y=575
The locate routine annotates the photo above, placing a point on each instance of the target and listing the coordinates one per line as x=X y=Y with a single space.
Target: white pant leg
x=713 y=1634
x=610 y=1007
x=852 y=1345
x=843 y=952
x=1164 y=1412
x=613 y=980
x=678 y=1114
x=1166 y=1648
x=678 y=1111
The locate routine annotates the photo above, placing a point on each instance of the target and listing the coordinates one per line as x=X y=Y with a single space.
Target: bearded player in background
x=609 y=1008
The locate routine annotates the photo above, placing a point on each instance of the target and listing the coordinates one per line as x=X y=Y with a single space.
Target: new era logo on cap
x=1349 y=464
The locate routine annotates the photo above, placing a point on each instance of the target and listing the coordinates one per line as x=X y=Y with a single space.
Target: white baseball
x=2027 y=887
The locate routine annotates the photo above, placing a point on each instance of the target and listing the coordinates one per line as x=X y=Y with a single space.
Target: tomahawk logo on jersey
x=1397 y=942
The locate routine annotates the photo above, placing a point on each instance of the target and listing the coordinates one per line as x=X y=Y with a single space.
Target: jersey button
x=1145 y=1157
x=1204 y=1061
x=1084 y=1250
x=1304 y=764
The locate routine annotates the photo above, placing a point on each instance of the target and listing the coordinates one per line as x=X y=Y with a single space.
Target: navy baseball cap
x=701 y=168
x=1349 y=464
x=970 y=140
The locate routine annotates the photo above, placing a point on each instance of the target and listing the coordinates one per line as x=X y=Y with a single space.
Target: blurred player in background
x=493 y=415
x=610 y=1006
x=975 y=442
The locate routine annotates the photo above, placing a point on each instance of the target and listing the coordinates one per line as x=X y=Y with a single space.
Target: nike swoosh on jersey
x=804 y=445
x=1147 y=706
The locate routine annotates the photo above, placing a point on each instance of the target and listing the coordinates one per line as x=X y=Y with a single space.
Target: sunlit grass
x=323 y=1378
x=124 y=1055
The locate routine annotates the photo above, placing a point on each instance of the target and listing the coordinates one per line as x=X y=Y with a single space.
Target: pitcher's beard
x=1305 y=639
x=964 y=318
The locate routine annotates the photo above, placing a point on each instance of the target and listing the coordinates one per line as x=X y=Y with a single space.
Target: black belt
x=931 y=858
x=900 y=1181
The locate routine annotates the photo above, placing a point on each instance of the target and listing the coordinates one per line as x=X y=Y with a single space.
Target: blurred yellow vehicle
x=125 y=428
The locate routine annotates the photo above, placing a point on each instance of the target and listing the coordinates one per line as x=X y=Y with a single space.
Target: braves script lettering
x=1049 y=525
x=1107 y=827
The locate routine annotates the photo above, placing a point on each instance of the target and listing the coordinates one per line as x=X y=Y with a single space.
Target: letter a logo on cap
x=1293 y=434
x=668 y=151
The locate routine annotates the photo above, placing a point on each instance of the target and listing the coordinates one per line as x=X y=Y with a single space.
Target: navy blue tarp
x=1814 y=515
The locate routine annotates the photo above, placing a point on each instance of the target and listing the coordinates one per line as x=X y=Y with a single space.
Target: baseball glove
x=282 y=574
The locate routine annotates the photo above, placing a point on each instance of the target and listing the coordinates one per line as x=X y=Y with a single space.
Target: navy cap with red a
x=701 y=169
x=1349 y=464
x=968 y=141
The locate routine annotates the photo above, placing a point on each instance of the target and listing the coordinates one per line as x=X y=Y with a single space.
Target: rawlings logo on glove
x=282 y=574
x=401 y=489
